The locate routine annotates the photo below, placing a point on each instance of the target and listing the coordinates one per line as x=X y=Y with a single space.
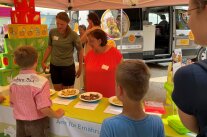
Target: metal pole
x=121 y=30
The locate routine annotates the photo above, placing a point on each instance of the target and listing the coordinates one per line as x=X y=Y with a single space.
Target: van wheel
x=201 y=54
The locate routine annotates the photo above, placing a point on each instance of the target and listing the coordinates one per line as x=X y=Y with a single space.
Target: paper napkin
x=62 y=101
x=113 y=110
x=86 y=105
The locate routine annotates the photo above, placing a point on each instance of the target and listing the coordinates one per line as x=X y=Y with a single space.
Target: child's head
x=133 y=76
x=25 y=56
x=82 y=29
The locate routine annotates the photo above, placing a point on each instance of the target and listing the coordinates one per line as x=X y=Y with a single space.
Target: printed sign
x=177 y=59
x=62 y=127
x=191 y=36
x=184 y=42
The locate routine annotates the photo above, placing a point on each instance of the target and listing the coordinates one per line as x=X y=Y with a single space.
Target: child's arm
x=51 y=113
x=189 y=121
x=2 y=98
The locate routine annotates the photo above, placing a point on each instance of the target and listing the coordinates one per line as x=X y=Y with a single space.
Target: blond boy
x=132 y=79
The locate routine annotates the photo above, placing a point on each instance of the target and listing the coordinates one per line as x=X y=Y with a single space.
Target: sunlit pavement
x=156 y=90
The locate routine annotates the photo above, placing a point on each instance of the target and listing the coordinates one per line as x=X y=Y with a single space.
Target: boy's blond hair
x=133 y=76
x=25 y=56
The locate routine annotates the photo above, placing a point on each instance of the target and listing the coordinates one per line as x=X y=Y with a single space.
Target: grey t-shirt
x=63 y=48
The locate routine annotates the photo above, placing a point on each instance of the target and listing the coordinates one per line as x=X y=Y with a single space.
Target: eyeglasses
x=192 y=9
x=188 y=11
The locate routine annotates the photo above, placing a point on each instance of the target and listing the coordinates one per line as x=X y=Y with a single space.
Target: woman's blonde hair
x=25 y=56
x=64 y=17
x=133 y=76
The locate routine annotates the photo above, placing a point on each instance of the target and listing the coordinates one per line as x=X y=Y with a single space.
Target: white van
x=150 y=33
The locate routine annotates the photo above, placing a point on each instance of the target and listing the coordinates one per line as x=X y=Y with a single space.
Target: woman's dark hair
x=200 y=4
x=94 y=18
x=64 y=17
x=99 y=34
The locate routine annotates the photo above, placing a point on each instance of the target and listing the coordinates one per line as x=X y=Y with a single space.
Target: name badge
x=55 y=37
x=105 y=67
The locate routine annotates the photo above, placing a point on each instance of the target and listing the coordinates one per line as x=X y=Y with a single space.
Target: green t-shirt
x=63 y=48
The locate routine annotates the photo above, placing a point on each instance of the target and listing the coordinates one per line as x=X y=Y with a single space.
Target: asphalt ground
x=156 y=90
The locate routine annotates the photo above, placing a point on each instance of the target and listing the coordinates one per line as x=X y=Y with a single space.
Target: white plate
x=88 y=94
x=52 y=92
x=114 y=101
x=70 y=95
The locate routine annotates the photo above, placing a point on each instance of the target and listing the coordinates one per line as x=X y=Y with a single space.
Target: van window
x=181 y=18
x=135 y=19
x=154 y=18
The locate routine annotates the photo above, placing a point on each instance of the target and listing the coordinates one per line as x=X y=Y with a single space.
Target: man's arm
x=189 y=121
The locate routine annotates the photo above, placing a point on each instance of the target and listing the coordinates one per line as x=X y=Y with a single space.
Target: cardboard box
x=27 y=31
x=31 y=42
x=40 y=31
x=17 y=31
x=22 y=32
x=40 y=56
x=5 y=76
x=39 y=68
x=31 y=31
x=7 y=61
x=0 y=63
x=15 y=72
x=34 y=18
x=15 y=17
x=11 y=44
x=20 y=17
x=37 y=31
x=27 y=5
x=44 y=30
x=38 y=43
x=20 y=5
x=12 y=31
x=42 y=43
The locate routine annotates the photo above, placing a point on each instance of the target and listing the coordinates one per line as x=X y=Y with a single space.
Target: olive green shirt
x=63 y=48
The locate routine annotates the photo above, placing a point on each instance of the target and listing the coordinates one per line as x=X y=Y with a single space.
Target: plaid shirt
x=29 y=93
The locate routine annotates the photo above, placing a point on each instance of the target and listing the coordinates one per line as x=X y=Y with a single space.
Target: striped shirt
x=29 y=93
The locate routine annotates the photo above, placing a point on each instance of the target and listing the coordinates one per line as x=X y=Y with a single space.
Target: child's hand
x=2 y=98
x=59 y=113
